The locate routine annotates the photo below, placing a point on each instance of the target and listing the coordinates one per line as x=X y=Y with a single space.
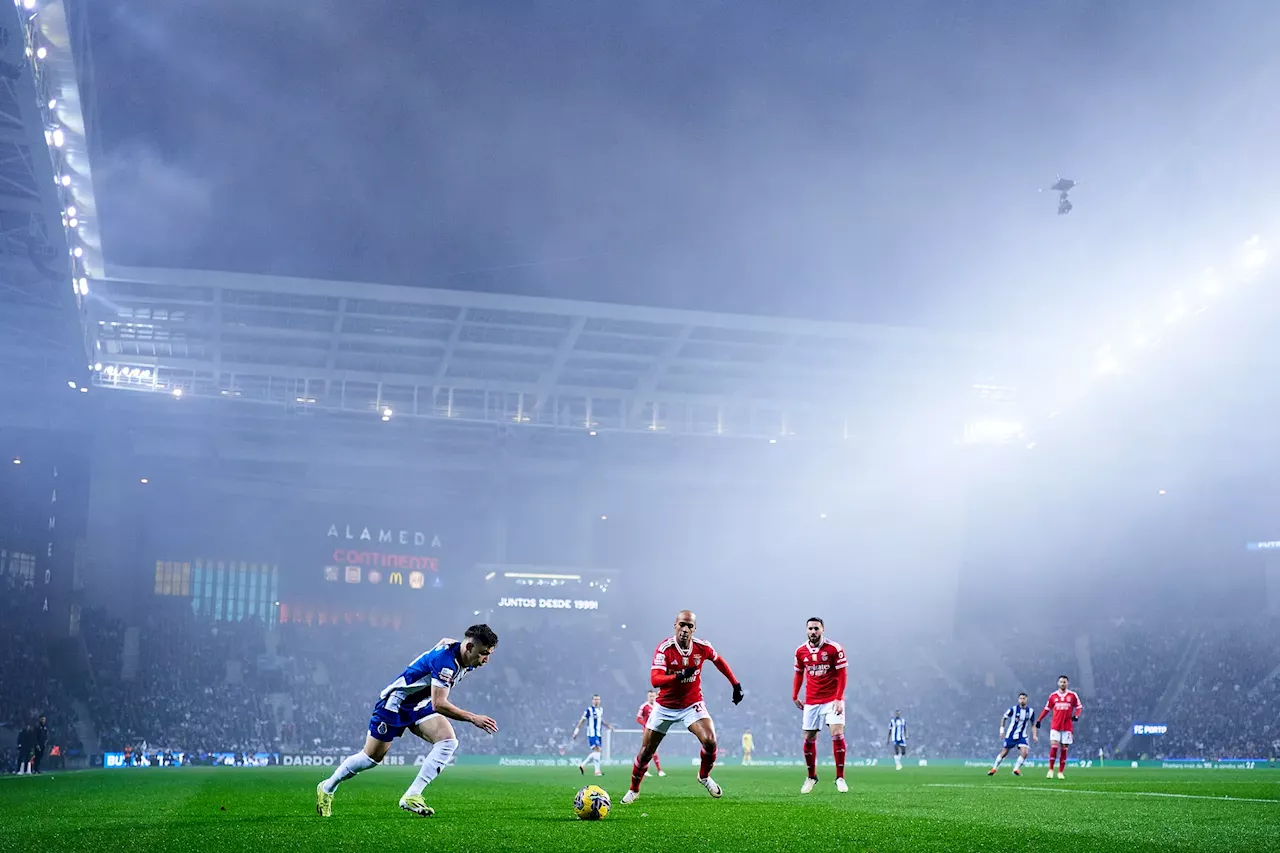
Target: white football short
x=662 y=719
x=815 y=716
x=1056 y=736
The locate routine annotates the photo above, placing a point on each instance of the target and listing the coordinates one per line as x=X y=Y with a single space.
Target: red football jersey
x=1064 y=707
x=820 y=667
x=669 y=658
x=642 y=716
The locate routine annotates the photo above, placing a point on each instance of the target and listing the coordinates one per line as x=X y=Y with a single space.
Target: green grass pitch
x=226 y=810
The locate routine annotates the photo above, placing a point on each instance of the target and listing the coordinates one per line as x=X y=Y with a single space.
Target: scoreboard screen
x=546 y=592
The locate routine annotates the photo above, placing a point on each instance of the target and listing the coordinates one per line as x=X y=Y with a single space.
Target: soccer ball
x=592 y=803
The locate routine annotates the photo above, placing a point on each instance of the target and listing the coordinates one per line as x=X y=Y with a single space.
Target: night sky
x=874 y=162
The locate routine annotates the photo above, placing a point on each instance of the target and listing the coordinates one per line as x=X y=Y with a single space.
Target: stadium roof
x=48 y=216
x=478 y=357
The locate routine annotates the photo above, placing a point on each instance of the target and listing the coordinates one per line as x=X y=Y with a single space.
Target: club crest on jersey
x=697 y=659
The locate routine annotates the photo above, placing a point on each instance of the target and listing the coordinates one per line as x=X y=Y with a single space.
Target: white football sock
x=897 y=759
x=350 y=766
x=1017 y=765
x=999 y=758
x=435 y=762
x=595 y=757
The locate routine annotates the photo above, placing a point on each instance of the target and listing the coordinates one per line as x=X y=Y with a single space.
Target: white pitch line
x=1110 y=793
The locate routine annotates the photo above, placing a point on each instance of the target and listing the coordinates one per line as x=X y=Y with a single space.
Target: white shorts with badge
x=1056 y=736
x=662 y=719
x=815 y=716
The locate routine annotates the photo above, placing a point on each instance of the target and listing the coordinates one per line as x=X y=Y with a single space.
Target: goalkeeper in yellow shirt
x=748 y=746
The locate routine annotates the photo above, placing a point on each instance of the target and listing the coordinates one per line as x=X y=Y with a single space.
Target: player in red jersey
x=677 y=673
x=642 y=717
x=1066 y=708
x=822 y=664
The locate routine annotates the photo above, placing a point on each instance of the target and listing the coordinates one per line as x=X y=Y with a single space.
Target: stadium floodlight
x=28 y=4
x=1107 y=363
x=490 y=576
x=71 y=385
x=144 y=481
x=73 y=222
x=1254 y=257
x=42 y=52
x=1161 y=491
x=65 y=180
x=78 y=251
x=53 y=103
x=71 y=210
x=604 y=518
x=177 y=392
x=1213 y=283
x=17 y=461
x=992 y=432
x=58 y=138
x=1176 y=311
x=84 y=286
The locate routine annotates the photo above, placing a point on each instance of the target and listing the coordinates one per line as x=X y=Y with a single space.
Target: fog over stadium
x=332 y=329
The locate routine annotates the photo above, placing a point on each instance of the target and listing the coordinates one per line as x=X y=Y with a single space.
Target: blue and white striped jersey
x=593 y=717
x=438 y=667
x=898 y=730
x=1015 y=722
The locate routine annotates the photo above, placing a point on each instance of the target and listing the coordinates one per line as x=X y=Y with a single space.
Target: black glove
x=1037 y=724
x=688 y=672
x=737 y=693
x=1075 y=719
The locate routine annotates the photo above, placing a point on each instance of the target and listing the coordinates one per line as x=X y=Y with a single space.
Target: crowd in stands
x=195 y=689
x=196 y=685
x=29 y=682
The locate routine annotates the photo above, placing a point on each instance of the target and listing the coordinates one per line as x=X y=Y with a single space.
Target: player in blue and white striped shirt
x=1013 y=729
x=898 y=737
x=418 y=701
x=593 y=717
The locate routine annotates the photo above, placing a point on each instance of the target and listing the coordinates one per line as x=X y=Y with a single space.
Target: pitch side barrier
x=309 y=760
x=115 y=760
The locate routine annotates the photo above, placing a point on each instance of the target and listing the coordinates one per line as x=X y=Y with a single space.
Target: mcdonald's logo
x=396 y=578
